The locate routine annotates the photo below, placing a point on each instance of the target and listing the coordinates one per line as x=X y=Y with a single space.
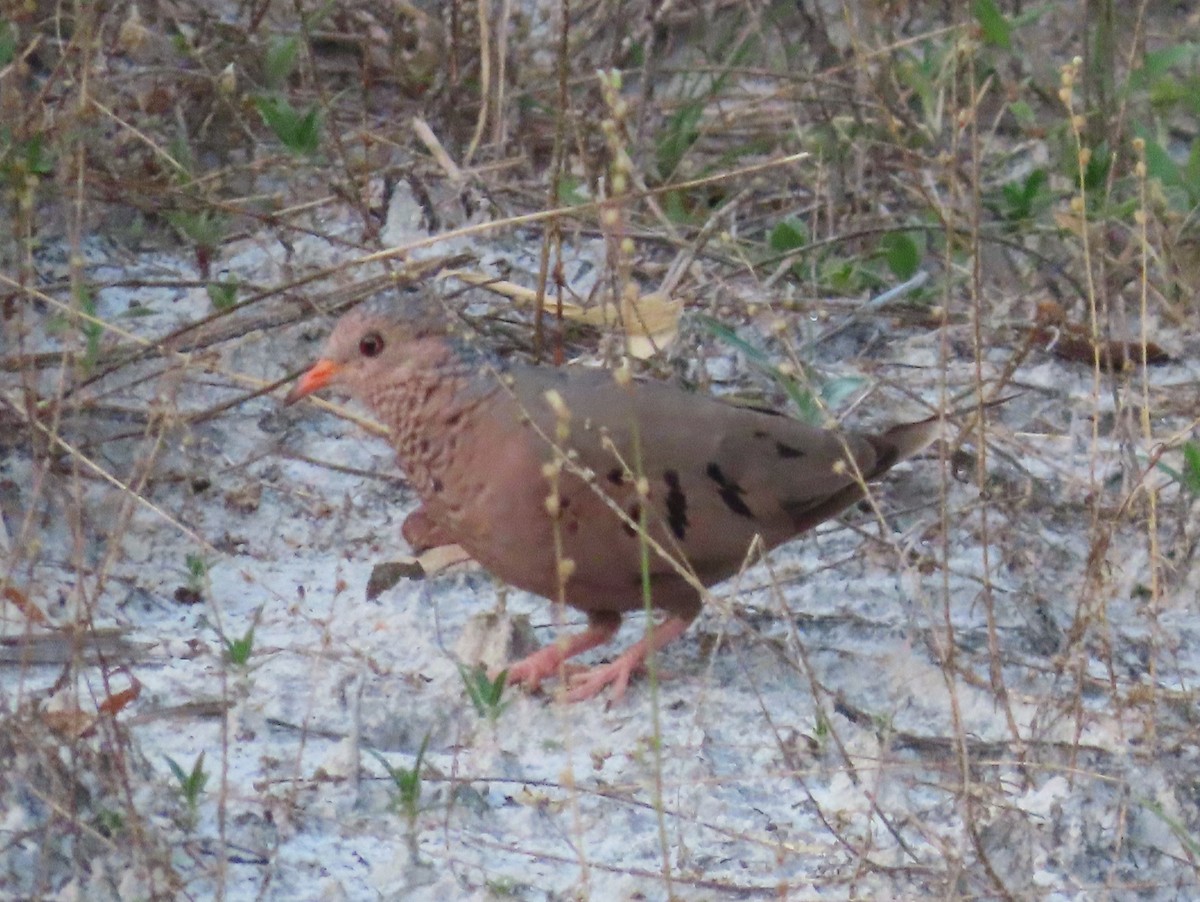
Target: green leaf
x=8 y=43
x=1095 y=174
x=836 y=391
x=280 y=61
x=1025 y=199
x=299 y=132
x=1158 y=63
x=789 y=235
x=681 y=134
x=222 y=294
x=1159 y=164
x=993 y=25
x=315 y=21
x=901 y=254
x=238 y=651
x=1023 y=113
x=570 y=191
x=1190 y=174
x=1191 y=467
x=203 y=229
x=486 y=694
x=1166 y=92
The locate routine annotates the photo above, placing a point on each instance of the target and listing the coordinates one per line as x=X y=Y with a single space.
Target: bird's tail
x=910 y=439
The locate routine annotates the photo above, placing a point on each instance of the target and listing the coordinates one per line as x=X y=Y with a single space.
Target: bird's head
x=376 y=341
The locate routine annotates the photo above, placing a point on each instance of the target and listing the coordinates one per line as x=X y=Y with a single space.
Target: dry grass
x=769 y=165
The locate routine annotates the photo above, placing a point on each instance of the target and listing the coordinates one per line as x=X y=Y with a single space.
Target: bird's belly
x=495 y=507
x=601 y=560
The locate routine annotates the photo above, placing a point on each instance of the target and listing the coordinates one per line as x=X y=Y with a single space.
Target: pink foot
x=530 y=671
x=589 y=683
x=549 y=661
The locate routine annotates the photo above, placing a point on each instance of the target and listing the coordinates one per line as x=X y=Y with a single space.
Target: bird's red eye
x=371 y=345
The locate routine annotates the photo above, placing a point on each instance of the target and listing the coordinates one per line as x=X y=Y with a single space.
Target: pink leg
x=422 y=533
x=546 y=661
x=588 y=683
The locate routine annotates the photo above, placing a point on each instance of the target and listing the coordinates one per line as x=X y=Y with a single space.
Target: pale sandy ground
x=805 y=743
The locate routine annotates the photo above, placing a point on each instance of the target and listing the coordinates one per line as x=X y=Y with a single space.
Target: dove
x=585 y=486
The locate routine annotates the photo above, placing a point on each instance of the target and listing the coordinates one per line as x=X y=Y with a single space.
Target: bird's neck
x=429 y=413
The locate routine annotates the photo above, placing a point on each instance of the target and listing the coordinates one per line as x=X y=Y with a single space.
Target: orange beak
x=316 y=378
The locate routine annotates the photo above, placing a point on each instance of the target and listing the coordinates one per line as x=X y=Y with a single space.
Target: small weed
x=197 y=571
x=223 y=294
x=238 y=651
x=1189 y=476
x=994 y=27
x=91 y=329
x=789 y=235
x=1022 y=200
x=821 y=730
x=191 y=785
x=298 y=131
x=407 y=782
x=1191 y=467
x=204 y=229
x=506 y=887
x=108 y=822
x=899 y=250
x=485 y=693
x=8 y=43
x=280 y=61
x=20 y=161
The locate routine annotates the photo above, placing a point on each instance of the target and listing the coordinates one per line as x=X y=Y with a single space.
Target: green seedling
x=407 y=782
x=223 y=294
x=108 y=823
x=280 y=61
x=90 y=327
x=8 y=43
x=204 y=229
x=1022 y=200
x=994 y=27
x=1189 y=476
x=298 y=131
x=238 y=651
x=197 y=571
x=485 y=693
x=191 y=785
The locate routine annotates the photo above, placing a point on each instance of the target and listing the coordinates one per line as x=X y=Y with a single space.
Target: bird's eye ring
x=371 y=345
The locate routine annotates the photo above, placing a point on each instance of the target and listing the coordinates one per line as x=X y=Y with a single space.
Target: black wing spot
x=676 y=505
x=787 y=451
x=761 y=433
x=616 y=476
x=731 y=493
x=437 y=485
